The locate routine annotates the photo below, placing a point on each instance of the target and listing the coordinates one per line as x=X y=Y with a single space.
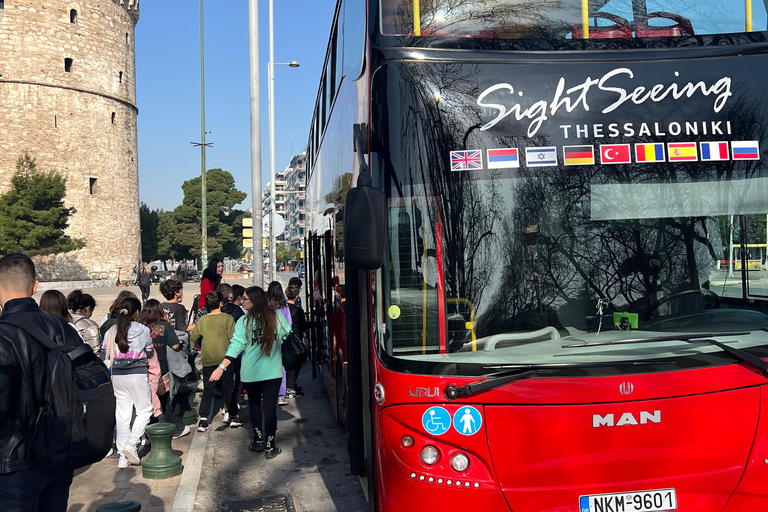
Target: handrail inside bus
x=748 y=7
x=585 y=18
x=491 y=341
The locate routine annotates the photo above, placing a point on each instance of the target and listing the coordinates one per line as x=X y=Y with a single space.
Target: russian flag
x=746 y=150
x=714 y=151
x=503 y=158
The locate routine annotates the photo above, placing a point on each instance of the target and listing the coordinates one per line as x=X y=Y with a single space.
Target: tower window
x=68 y=65
x=126 y=36
x=55 y=121
x=92 y=185
x=73 y=15
x=113 y=118
x=120 y=77
x=2 y=4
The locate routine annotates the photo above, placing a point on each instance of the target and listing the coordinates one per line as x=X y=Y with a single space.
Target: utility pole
x=272 y=188
x=203 y=145
x=253 y=46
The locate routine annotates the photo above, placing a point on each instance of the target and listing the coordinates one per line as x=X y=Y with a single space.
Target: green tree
x=149 y=223
x=180 y=236
x=33 y=217
x=282 y=255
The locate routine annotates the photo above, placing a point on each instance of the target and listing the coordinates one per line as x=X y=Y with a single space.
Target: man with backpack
x=36 y=349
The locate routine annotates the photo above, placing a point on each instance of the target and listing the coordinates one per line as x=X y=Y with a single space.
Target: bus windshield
x=520 y=224
x=563 y=20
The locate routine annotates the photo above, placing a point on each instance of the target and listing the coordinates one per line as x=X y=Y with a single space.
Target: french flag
x=503 y=158
x=714 y=151
x=746 y=150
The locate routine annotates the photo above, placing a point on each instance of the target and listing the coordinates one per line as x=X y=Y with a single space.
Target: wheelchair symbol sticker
x=467 y=420
x=436 y=421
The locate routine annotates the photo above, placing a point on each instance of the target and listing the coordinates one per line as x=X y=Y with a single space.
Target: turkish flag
x=615 y=154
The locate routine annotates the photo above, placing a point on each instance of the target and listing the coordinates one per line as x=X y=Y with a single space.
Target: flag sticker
x=647 y=153
x=611 y=154
x=503 y=158
x=466 y=160
x=711 y=151
x=746 y=150
x=682 y=152
x=579 y=155
x=541 y=157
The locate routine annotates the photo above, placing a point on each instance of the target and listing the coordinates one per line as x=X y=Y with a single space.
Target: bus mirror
x=365 y=231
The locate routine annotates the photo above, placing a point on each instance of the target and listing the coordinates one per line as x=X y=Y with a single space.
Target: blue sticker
x=584 y=503
x=467 y=420
x=436 y=421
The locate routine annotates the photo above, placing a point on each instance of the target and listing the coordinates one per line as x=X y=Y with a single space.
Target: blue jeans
x=36 y=489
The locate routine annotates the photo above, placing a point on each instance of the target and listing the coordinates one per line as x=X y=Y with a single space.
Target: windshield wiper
x=737 y=353
x=525 y=371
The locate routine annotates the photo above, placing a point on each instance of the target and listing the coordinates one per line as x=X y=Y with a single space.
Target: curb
x=184 y=501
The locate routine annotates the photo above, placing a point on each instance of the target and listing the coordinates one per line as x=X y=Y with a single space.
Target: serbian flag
x=611 y=154
x=714 y=151
x=647 y=153
x=579 y=155
x=503 y=158
x=746 y=150
x=466 y=160
x=682 y=152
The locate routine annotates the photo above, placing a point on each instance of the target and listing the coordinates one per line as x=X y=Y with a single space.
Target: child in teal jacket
x=258 y=336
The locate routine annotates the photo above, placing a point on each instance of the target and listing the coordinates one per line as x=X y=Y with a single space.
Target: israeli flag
x=541 y=157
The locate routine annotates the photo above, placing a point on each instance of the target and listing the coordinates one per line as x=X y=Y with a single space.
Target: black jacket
x=299 y=323
x=22 y=380
x=232 y=310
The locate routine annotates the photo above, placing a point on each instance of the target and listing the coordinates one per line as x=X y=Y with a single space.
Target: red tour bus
x=517 y=214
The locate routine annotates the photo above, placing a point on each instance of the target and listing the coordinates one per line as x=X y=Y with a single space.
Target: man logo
x=626 y=388
x=609 y=420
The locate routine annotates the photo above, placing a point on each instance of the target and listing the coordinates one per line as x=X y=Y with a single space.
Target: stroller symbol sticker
x=436 y=421
x=467 y=420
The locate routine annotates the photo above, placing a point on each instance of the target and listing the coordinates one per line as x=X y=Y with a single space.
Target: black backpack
x=75 y=425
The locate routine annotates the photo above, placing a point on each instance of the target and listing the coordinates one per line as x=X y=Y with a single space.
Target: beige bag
x=109 y=350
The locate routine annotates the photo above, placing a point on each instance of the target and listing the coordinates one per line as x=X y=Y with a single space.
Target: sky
x=168 y=88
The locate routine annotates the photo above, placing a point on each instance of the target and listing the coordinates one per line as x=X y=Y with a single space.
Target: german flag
x=579 y=155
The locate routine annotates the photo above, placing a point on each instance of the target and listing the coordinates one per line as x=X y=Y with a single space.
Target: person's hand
x=216 y=375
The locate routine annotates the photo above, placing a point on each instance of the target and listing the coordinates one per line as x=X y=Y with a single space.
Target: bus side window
x=354 y=36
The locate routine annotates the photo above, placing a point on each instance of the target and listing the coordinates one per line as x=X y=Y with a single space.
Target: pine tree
x=33 y=217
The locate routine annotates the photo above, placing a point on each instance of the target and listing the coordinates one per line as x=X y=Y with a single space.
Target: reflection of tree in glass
x=469 y=209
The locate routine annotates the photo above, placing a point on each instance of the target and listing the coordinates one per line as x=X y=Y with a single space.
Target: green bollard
x=161 y=461
x=120 y=506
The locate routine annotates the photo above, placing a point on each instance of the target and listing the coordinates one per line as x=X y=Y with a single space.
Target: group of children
x=151 y=349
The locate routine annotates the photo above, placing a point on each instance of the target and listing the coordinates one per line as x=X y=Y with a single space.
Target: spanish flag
x=682 y=152
x=579 y=155
x=647 y=153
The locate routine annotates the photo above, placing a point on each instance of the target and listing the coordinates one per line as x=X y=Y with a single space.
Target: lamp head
x=294 y=64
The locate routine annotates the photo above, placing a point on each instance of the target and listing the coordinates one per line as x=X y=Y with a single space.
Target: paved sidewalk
x=103 y=483
x=313 y=468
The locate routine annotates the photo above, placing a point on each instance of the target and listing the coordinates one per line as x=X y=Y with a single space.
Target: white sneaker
x=122 y=463
x=226 y=418
x=281 y=401
x=132 y=454
x=183 y=433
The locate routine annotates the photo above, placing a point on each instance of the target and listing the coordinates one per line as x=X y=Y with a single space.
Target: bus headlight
x=460 y=462
x=429 y=455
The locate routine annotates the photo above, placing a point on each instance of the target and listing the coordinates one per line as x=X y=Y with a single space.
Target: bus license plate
x=640 y=501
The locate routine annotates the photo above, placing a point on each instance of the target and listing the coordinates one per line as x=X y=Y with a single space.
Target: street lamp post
x=271 y=92
x=253 y=44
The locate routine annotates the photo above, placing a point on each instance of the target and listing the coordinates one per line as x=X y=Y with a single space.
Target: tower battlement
x=132 y=6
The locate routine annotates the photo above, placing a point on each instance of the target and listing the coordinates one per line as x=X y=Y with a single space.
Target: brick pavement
x=103 y=483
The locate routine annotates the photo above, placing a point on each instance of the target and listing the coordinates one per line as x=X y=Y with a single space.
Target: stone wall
x=80 y=123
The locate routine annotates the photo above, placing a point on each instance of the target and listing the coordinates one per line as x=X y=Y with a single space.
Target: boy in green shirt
x=215 y=329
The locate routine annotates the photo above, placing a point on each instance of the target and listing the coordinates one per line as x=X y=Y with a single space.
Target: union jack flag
x=466 y=160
